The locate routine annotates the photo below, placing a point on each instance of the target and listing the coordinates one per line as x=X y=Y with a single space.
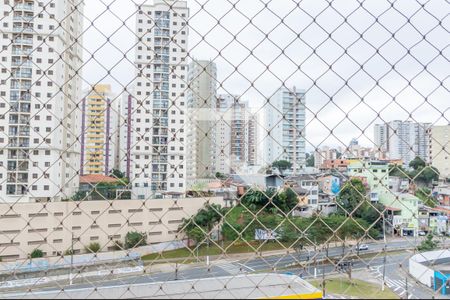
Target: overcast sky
x=303 y=43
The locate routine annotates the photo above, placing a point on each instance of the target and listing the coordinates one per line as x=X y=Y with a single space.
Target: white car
x=362 y=247
x=422 y=233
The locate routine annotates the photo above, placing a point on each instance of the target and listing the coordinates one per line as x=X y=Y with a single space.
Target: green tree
x=197 y=234
x=37 y=253
x=117 y=174
x=93 y=248
x=282 y=165
x=310 y=160
x=205 y=220
x=79 y=196
x=351 y=196
x=417 y=163
x=221 y=176
x=135 y=239
x=428 y=244
x=426 y=197
x=426 y=175
x=373 y=214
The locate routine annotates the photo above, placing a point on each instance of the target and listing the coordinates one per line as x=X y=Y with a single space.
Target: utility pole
x=71 y=262
x=407 y=293
x=176 y=271
x=350 y=270
x=384 y=258
x=323 y=279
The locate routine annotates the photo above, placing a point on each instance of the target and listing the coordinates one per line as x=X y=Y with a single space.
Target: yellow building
x=98 y=141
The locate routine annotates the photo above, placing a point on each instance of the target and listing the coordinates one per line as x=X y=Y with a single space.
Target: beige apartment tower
x=201 y=119
x=440 y=149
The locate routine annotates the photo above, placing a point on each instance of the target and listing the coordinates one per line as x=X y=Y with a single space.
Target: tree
x=117 y=174
x=426 y=197
x=203 y=222
x=93 y=248
x=428 y=244
x=310 y=160
x=426 y=175
x=417 y=163
x=220 y=176
x=135 y=239
x=282 y=165
x=79 y=196
x=197 y=234
x=37 y=253
x=350 y=197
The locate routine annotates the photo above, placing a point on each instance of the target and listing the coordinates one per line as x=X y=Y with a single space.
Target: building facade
x=99 y=137
x=285 y=127
x=158 y=154
x=236 y=135
x=440 y=149
x=201 y=119
x=50 y=228
x=126 y=131
x=324 y=154
x=40 y=91
x=403 y=140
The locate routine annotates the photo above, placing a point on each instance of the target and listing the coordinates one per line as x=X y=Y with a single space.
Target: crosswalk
x=396 y=285
x=231 y=268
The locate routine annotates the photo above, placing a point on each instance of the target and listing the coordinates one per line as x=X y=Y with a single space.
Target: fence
x=228 y=138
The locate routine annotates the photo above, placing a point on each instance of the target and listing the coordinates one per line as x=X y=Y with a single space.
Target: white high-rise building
x=201 y=119
x=235 y=136
x=158 y=154
x=403 y=140
x=126 y=131
x=40 y=93
x=285 y=128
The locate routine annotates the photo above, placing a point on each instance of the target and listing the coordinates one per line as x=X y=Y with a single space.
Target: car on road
x=422 y=233
x=362 y=247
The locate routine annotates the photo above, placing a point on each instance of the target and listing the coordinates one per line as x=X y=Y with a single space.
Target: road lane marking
x=247 y=267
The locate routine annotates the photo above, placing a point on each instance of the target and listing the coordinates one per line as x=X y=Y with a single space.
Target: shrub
x=37 y=253
x=93 y=248
x=135 y=239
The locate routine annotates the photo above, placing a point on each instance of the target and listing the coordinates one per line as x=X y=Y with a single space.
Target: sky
x=359 y=62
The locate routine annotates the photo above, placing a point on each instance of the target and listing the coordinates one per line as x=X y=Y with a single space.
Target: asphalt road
x=301 y=264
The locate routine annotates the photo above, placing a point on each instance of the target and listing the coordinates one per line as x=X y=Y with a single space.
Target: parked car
x=362 y=247
x=422 y=233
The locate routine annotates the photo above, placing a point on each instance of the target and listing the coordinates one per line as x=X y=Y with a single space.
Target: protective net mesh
x=224 y=149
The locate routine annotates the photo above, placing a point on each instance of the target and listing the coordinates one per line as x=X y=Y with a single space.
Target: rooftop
x=97 y=178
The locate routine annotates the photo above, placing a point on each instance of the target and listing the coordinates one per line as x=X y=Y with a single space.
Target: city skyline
x=322 y=118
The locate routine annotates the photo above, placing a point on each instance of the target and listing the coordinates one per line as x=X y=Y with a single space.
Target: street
x=307 y=264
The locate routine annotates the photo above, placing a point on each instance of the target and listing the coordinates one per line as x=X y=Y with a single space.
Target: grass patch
x=191 y=254
x=355 y=288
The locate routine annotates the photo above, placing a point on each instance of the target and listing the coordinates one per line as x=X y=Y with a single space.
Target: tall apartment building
x=158 y=154
x=252 y=128
x=201 y=119
x=440 y=149
x=285 y=128
x=236 y=135
x=99 y=131
x=403 y=140
x=126 y=131
x=40 y=92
